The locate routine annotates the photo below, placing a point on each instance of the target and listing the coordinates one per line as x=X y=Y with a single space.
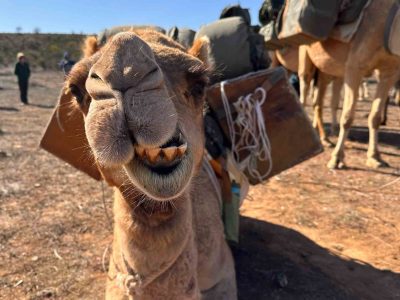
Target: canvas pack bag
x=183 y=36
x=307 y=21
x=270 y=37
x=229 y=47
x=264 y=122
x=236 y=11
x=267 y=16
x=105 y=34
x=392 y=30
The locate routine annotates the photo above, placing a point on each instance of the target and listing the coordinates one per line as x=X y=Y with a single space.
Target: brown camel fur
x=142 y=97
x=353 y=61
x=289 y=58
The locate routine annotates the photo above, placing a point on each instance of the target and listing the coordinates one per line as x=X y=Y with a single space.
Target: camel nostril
x=94 y=76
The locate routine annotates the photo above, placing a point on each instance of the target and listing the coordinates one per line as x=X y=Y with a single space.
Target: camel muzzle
x=128 y=73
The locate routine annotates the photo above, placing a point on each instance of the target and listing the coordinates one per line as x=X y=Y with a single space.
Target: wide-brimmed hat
x=20 y=54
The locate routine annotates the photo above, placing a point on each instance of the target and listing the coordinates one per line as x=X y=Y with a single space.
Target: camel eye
x=77 y=93
x=197 y=90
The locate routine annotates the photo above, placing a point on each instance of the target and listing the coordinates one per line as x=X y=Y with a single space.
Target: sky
x=92 y=16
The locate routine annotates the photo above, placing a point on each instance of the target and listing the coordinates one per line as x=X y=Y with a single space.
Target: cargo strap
x=252 y=133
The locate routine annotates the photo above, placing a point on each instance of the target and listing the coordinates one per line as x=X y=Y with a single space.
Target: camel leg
x=384 y=112
x=352 y=82
x=318 y=104
x=363 y=91
x=274 y=60
x=374 y=120
x=306 y=73
x=337 y=85
x=397 y=96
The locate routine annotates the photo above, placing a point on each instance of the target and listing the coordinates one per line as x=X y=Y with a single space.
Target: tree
x=18 y=29
x=36 y=30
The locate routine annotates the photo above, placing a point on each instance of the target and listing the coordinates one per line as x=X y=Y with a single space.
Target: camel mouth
x=162 y=172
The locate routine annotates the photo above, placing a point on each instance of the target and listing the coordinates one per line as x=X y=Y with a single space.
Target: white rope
x=247 y=132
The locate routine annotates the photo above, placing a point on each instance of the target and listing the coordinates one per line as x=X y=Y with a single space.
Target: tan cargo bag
x=265 y=123
x=65 y=137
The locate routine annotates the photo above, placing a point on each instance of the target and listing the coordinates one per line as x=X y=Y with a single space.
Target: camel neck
x=152 y=242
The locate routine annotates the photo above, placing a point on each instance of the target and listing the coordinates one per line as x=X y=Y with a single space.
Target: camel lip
x=161 y=182
x=161 y=167
x=164 y=158
x=176 y=140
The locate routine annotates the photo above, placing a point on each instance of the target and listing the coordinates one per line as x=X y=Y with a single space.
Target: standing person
x=66 y=63
x=23 y=72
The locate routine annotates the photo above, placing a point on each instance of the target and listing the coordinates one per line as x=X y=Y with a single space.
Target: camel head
x=142 y=98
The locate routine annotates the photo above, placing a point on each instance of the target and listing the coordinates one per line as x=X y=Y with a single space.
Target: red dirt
x=327 y=234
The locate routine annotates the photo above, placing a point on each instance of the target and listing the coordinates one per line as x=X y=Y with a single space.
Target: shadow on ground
x=388 y=137
x=274 y=262
x=41 y=105
x=361 y=134
x=6 y=108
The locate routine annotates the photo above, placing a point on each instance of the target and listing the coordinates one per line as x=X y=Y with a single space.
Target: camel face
x=142 y=96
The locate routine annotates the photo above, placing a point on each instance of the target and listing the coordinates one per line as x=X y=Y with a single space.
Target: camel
x=348 y=63
x=353 y=61
x=289 y=58
x=142 y=98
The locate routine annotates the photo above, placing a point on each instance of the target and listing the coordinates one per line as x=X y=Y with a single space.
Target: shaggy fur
x=142 y=89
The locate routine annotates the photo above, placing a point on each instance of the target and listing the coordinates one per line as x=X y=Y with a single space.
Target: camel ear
x=201 y=50
x=90 y=46
x=65 y=136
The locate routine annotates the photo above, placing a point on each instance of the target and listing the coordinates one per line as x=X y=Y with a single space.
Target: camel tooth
x=140 y=151
x=170 y=153
x=153 y=154
x=182 y=149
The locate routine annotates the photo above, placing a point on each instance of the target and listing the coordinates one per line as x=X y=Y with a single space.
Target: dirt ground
x=308 y=233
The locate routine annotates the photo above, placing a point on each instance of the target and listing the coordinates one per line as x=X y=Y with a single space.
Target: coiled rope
x=247 y=132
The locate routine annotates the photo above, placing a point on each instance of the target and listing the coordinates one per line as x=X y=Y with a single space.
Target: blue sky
x=91 y=16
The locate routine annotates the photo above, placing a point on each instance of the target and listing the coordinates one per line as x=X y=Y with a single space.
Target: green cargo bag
x=183 y=36
x=229 y=47
x=307 y=21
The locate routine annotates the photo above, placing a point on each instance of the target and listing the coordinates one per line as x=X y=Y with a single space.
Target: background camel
x=289 y=58
x=142 y=98
x=352 y=61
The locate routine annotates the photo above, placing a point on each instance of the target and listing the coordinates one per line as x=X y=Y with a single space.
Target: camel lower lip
x=163 y=169
x=160 y=182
